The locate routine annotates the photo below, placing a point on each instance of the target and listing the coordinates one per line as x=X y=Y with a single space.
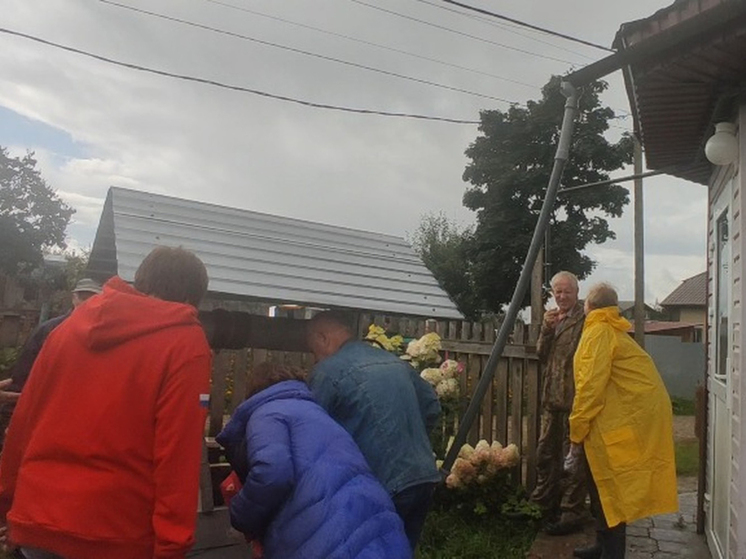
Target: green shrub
x=682 y=406
x=455 y=533
x=687 y=457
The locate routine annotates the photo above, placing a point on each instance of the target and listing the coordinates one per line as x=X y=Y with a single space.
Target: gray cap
x=87 y=284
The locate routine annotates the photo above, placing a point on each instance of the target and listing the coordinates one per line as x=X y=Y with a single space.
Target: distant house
x=688 y=302
x=685 y=331
x=627 y=310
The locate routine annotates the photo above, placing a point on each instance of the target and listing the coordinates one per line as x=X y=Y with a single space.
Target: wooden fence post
x=501 y=400
x=220 y=369
x=533 y=418
x=240 y=378
x=516 y=404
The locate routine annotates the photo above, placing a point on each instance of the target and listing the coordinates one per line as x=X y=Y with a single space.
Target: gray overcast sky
x=93 y=124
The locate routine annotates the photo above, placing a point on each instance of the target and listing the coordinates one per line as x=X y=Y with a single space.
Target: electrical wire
x=504 y=26
x=232 y=87
x=475 y=37
x=529 y=25
x=371 y=43
x=304 y=52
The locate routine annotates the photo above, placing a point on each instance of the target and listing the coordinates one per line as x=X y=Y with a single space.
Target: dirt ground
x=683 y=427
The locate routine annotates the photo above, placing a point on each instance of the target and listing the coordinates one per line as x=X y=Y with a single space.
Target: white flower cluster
x=445 y=379
x=424 y=351
x=479 y=464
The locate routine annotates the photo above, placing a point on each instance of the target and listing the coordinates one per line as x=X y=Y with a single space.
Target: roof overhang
x=680 y=89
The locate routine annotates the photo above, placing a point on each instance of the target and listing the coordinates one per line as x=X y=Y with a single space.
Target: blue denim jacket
x=386 y=407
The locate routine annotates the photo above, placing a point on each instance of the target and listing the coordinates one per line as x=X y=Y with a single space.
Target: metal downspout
x=560 y=159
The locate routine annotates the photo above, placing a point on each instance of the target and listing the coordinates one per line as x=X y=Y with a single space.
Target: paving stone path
x=667 y=536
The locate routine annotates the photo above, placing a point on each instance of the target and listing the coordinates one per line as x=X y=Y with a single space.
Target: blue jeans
x=34 y=553
x=413 y=504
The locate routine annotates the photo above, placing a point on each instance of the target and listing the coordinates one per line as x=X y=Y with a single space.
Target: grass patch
x=682 y=406
x=449 y=535
x=687 y=457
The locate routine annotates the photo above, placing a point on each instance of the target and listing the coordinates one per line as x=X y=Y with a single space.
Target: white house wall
x=723 y=178
x=738 y=480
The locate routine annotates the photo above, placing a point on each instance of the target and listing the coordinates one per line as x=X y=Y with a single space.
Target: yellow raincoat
x=622 y=416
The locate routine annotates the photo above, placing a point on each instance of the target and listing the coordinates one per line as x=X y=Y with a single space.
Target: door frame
x=719 y=385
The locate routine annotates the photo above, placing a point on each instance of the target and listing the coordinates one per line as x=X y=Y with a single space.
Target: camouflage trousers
x=558 y=492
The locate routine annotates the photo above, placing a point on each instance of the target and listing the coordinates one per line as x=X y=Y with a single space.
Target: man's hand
x=7 y=397
x=5 y=544
x=574 y=458
x=551 y=318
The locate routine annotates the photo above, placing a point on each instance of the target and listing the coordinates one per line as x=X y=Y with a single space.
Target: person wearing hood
x=307 y=492
x=621 y=427
x=103 y=450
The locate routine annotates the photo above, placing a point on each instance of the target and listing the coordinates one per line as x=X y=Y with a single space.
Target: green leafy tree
x=442 y=245
x=32 y=216
x=64 y=281
x=511 y=162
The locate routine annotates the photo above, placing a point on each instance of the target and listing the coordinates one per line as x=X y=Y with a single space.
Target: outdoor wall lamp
x=722 y=147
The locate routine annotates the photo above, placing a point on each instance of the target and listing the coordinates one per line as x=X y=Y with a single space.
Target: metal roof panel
x=269 y=258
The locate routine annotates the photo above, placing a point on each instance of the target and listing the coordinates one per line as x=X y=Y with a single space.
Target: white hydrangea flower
x=432 y=376
x=447 y=388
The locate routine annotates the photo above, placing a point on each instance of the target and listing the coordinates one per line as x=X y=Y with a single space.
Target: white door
x=719 y=379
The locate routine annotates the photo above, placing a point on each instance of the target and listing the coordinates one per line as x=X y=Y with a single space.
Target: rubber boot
x=614 y=542
x=590 y=552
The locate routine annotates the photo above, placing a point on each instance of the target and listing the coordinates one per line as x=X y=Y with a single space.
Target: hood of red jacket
x=121 y=313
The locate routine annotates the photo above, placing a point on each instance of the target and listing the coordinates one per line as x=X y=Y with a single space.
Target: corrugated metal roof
x=677 y=94
x=691 y=292
x=660 y=326
x=627 y=305
x=269 y=258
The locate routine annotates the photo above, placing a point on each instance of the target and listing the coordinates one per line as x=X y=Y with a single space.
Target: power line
x=448 y=29
x=305 y=53
x=233 y=87
x=370 y=43
x=529 y=25
x=505 y=27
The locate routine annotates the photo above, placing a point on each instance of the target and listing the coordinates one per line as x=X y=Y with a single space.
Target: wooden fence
x=509 y=412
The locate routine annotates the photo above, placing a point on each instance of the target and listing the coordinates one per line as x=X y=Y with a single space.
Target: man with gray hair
x=561 y=495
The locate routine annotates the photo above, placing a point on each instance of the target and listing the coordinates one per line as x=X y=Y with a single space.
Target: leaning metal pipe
x=560 y=159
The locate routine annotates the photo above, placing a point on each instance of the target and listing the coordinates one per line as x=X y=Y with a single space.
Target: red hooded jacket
x=103 y=450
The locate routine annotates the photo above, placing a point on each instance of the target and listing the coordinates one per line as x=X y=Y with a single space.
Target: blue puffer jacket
x=309 y=494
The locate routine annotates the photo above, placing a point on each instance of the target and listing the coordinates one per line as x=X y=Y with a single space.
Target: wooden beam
x=236 y=330
x=479 y=348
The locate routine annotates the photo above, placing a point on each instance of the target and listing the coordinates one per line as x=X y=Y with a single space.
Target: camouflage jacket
x=556 y=348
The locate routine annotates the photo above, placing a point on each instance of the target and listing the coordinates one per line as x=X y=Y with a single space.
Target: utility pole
x=639 y=250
